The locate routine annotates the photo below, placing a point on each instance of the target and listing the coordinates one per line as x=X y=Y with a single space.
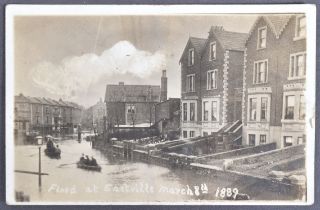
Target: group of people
x=88 y=161
x=50 y=145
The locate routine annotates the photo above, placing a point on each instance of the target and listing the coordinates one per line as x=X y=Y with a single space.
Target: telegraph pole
x=39 y=168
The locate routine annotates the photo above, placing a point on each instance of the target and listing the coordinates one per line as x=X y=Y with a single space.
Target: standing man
x=79 y=133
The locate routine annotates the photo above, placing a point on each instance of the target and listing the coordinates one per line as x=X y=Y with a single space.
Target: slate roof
x=198 y=43
x=230 y=40
x=277 y=23
x=132 y=93
x=34 y=100
x=21 y=99
x=52 y=102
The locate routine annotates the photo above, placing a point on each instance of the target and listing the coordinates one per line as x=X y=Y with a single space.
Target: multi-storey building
x=44 y=115
x=274 y=81
x=131 y=104
x=167 y=118
x=93 y=117
x=211 y=82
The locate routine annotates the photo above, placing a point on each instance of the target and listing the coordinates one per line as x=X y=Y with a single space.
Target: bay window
x=205 y=111
x=253 y=109
x=302 y=108
x=192 y=111
x=214 y=111
x=289 y=107
x=185 y=111
x=264 y=105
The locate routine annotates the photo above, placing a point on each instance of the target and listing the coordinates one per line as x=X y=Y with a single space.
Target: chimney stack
x=164 y=88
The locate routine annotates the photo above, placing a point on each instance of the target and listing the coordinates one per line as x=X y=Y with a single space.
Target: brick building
x=44 y=116
x=211 y=82
x=167 y=117
x=131 y=104
x=274 y=81
x=93 y=117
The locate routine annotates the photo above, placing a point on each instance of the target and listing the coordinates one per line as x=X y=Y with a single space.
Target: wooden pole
x=39 y=167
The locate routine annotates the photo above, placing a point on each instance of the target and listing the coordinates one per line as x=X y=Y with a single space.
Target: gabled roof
x=198 y=44
x=34 y=100
x=277 y=23
x=21 y=99
x=52 y=102
x=230 y=40
x=132 y=93
x=42 y=100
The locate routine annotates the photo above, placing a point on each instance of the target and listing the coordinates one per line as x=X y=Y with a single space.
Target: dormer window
x=300 y=27
x=213 y=49
x=262 y=37
x=191 y=57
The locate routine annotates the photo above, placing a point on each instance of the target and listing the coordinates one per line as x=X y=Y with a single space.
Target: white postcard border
x=46 y=10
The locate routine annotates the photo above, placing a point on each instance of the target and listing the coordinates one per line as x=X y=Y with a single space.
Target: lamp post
x=40 y=142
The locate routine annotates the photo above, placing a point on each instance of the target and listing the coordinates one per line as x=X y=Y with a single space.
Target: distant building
x=274 y=81
x=131 y=104
x=167 y=117
x=44 y=116
x=93 y=117
x=211 y=82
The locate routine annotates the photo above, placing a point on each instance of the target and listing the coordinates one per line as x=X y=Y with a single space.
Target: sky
x=75 y=57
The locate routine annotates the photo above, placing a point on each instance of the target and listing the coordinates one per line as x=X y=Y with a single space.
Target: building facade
x=274 y=81
x=211 y=82
x=36 y=115
x=167 y=117
x=131 y=104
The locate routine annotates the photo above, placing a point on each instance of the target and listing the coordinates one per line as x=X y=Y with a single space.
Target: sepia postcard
x=150 y=104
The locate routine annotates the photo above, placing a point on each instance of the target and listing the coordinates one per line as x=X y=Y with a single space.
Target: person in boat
x=93 y=161
x=86 y=160
x=50 y=145
x=82 y=158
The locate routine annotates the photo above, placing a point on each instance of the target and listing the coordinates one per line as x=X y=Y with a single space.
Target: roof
x=230 y=40
x=132 y=93
x=21 y=99
x=42 y=100
x=52 y=102
x=277 y=23
x=34 y=100
x=198 y=44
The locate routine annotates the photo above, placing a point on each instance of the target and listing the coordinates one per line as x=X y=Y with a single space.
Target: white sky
x=75 y=57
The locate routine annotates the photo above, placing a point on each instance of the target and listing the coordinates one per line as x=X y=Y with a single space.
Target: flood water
x=119 y=181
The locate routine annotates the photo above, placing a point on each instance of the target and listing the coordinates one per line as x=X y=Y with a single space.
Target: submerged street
x=118 y=181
